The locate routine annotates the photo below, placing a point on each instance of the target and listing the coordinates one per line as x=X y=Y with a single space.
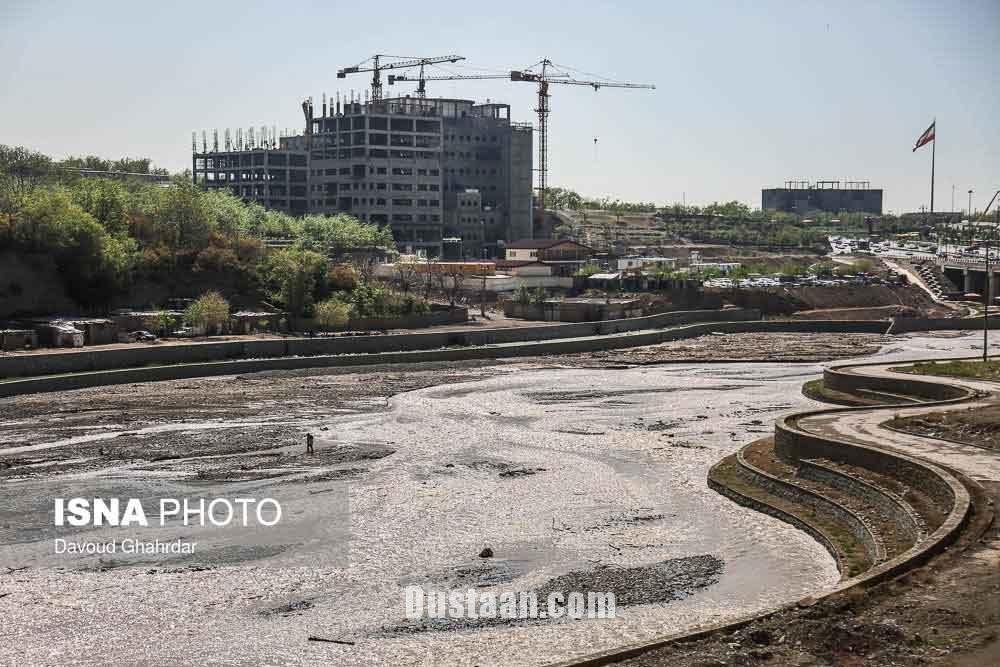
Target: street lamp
x=989 y=276
x=986 y=300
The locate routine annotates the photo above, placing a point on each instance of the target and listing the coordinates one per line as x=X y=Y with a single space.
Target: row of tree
x=105 y=235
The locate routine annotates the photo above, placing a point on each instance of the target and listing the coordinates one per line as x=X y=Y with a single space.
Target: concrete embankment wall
x=534 y=348
x=888 y=505
x=845 y=381
x=24 y=365
x=902 y=325
x=824 y=507
x=794 y=444
x=777 y=513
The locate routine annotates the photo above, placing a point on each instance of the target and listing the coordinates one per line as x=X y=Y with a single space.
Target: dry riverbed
x=577 y=472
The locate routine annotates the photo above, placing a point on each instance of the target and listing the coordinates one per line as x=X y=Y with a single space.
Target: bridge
x=967 y=268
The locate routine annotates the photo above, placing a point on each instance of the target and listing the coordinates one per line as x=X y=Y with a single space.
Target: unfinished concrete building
x=428 y=168
x=271 y=171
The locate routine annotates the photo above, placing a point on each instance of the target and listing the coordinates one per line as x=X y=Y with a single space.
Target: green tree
x=209 y=312
x=21 y=170
x=106 y=200
x=296 y=276
x=332 y=313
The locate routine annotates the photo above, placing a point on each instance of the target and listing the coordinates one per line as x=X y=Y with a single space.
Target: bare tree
x=450 y=282
x=365 y=267
x=406 y=275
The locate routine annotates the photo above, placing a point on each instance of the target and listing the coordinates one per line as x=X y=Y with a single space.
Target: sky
x=748 y=95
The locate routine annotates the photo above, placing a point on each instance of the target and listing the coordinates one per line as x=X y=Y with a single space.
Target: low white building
x=634 y=262
x=724 y=268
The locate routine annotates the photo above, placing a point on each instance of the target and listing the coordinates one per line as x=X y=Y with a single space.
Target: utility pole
x=986 y=299
x=482 y=288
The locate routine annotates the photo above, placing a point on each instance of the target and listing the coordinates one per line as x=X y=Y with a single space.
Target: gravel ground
x=977 y=427
x=772 y=347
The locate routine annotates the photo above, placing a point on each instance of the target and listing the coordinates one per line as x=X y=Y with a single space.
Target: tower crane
x=377 y=63
x=549 y=74
x=543 y=78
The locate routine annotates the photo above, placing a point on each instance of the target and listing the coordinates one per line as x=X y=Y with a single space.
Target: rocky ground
x=979 y=427
x=230 y=408
x=741 y=347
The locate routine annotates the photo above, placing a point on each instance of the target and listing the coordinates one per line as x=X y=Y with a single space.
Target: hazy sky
x=748 y=94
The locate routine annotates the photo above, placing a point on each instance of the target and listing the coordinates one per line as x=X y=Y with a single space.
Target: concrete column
x=991 y=277
x=968 y=281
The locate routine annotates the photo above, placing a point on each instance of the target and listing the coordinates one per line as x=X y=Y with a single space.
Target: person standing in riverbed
x=309 y=443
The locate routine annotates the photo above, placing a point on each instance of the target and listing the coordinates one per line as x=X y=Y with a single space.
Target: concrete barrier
x=840 y=378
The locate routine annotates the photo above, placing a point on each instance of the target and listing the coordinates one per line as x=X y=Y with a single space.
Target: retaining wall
x=888 y=504
x=251 y=364
x=778 y=513
x=74 y=362
x=821 y=505
x=793 y=444
x=905 y=324
x=840 y=380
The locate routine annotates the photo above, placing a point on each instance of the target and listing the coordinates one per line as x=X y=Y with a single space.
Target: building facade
x=801 y=197
x=563 y=256
x=428 y=168
x=277 y=178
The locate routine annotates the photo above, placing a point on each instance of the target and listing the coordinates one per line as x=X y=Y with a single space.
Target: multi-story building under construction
x=429 y=168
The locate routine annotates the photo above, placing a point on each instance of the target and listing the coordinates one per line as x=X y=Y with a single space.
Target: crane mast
x=543 y=78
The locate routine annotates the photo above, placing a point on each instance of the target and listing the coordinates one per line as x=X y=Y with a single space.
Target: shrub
x=342 y=277
x=210 y=312
x=332 y=313
x=161 y=322
x=522 y=295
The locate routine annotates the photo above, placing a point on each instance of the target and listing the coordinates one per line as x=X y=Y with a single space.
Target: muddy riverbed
x=582 y=477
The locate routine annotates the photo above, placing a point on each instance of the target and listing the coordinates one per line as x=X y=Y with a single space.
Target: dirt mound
x=905 y=300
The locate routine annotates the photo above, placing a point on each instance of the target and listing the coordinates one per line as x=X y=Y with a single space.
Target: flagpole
x=933 y=152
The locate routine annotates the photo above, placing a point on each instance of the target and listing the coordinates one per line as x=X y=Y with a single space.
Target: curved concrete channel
x=864 y=428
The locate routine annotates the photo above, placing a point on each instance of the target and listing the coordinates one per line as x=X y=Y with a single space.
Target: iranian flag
x=926 y=137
